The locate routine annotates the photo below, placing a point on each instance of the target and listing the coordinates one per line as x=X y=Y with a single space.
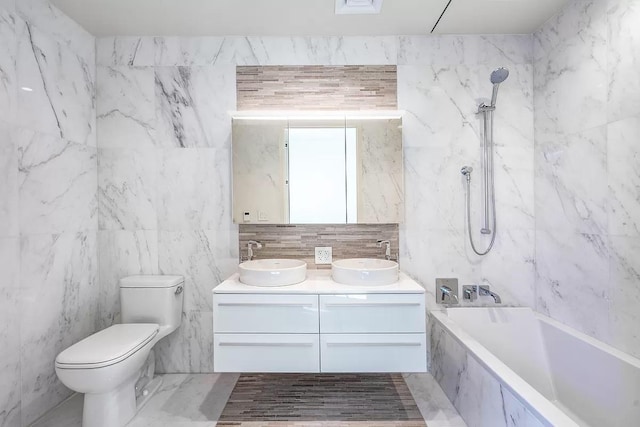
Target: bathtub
x=515 y=367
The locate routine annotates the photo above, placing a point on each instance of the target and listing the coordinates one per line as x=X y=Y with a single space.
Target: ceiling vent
x=358 y=7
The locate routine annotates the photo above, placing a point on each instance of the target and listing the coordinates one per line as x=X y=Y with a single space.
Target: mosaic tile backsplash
x=349 y=87
x=300 y=241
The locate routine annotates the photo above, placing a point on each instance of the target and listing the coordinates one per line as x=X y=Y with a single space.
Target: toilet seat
x=108 y=346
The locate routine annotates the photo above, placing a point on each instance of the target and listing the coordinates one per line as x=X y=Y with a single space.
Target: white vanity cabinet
x=319 y=326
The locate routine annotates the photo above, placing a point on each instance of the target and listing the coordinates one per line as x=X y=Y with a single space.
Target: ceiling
x=304 y=17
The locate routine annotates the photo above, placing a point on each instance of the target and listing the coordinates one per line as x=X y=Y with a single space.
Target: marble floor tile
x=197 y=400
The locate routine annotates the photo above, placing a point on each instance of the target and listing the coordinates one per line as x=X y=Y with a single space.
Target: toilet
x=106 y=365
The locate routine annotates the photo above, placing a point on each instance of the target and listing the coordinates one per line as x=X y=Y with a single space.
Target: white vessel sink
x=273 y=272
x=364 y=272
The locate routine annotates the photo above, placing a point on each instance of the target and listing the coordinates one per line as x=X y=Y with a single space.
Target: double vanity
x=364 y=316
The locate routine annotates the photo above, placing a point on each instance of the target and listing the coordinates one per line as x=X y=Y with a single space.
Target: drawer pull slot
x=265 y=344
x=261 y=304
x=374 y=344
x=373 y=304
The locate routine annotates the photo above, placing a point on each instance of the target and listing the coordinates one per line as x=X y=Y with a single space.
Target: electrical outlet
x=324 y=255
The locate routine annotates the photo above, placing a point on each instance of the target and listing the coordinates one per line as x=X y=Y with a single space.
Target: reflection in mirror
x=320 y=159
x=317 y=171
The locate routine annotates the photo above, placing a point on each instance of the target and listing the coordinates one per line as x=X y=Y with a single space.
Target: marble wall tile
x=586 y=104
x=440 y=105
x=58 y=281
x=9 y=215
x=465 y=49
x=571 y=184
x=436 y=254
x=573 y=280
x=478 y=396
x=514 y=188
x=440 y=204
x=187 y=51
x=52 y=21
x=8 y=78
x=126 y=112
x=200 y=51
x=8 y=5
x=198 y=256
x=510 y=267
x=571 y=87
x=623 y=155
x=193 y=104
x=325 y=50
x=127 y=189
x=10 y=392
x=190 y=348
x=125 y=51
x=122 y=253
x=196 y=189
x=10 y=364
x=62 y=100
x=57 y=184
x=9 y=262
x=575 y=17
x=625 y=294
x=623 y=59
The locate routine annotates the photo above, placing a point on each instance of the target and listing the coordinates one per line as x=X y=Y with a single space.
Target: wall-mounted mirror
x=317 y=171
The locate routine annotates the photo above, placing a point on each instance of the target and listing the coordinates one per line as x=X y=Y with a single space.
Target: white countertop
x=319 y=282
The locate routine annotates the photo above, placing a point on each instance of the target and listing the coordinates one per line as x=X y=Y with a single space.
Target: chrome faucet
x=448 y=294
x=250 y=245
x=484 y=291
x=387 y=252
x=471 y=293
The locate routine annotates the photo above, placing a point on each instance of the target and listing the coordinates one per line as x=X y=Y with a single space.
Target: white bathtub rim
x=540 y=406
x=618 y=354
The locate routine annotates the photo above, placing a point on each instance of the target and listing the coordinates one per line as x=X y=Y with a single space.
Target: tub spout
x=448 y=294
x=484 y=290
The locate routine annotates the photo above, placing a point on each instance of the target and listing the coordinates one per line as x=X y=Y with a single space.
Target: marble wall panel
x=57 y=308
x=48 y=215
x=624 y=270
x=480 y=398
x=10 y=364
x=125 y=51
x=126 y=113
x=586 y=103
x=623 y=59
x=127 y=189
x=193 y=105
x=8 y=78
x=60 y=86
x=122 y=253
x=9 y=199
x=57 y=182
x=195 y=187
x=623 y=158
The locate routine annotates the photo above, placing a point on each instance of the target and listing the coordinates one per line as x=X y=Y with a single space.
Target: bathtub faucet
x=448 y=294
x=484 y=291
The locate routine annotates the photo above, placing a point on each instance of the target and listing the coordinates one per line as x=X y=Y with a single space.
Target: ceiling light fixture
x=358 y=7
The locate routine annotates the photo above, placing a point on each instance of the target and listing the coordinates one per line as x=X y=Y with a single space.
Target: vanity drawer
x=266 y=353
x=372 y=313
x=235 y=313
x=373 y=353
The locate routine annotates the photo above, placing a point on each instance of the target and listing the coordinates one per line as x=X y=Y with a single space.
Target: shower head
x=497 y=77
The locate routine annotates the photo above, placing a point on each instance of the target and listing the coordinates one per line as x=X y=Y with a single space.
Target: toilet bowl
x=106 y=365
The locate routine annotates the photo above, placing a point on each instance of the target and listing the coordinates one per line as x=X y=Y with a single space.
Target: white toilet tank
x=152 y=299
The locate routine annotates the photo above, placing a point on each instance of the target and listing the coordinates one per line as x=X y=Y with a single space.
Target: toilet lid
x=108 y=346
